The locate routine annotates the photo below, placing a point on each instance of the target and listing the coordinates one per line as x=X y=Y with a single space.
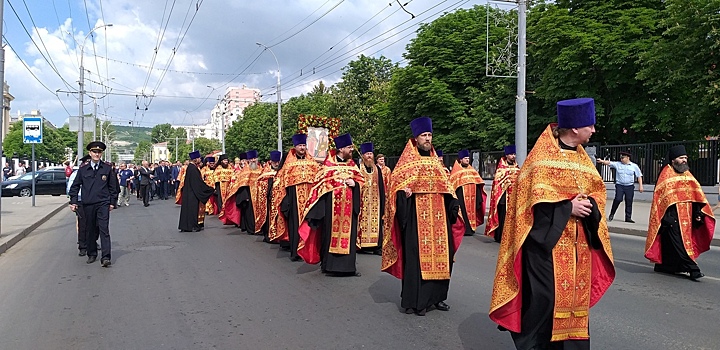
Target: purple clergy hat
x=510 y=149
x=299 y=139
x=463 y=153
x=252 y=154
x=439 y=152
x=421 y=125
x=210 y=159
x=242 y=155
x=194 y=155
x=343 y=140
x=367 y=147
x=576 y=113
x=275 y=156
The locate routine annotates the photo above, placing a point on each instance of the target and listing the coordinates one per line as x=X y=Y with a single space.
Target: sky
x=169 y=61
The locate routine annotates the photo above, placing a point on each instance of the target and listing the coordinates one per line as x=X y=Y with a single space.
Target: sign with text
x=32 y=130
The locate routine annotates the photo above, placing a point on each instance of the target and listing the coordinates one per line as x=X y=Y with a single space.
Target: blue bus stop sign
x=32 y=130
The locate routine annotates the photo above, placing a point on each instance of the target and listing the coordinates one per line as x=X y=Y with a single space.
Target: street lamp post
x=279 y=99
x=81 y=82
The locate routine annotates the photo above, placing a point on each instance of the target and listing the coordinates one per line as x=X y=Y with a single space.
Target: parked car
x=50 y=182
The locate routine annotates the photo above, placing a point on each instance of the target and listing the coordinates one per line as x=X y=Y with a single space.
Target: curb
x=15 y=239
x=643 y=233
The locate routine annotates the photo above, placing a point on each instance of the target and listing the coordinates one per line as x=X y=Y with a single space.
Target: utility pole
x=95 y=119
x=2 y=103
x=81 y=83
x=176 y=146
x=279 y=99
x=521 y=101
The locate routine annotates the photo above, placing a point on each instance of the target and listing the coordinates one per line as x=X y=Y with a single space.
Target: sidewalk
x=19 y=217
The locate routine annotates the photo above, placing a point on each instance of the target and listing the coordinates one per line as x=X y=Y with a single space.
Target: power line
x=49 y=61
x=343 y=39
x=330 y=62
x=361 y=48
x=35 y=76
x=303 y=20
x=307 y=26
x=175 y=71
x=161 y=35
x=67 y=48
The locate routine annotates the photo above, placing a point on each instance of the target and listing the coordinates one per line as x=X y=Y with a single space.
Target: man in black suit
x=99 y=185
x=145 y=178
x=162 y=174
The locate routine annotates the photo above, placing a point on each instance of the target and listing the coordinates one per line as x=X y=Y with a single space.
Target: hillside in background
x=126 y=138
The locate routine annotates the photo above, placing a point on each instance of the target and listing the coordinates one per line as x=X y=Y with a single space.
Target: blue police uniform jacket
x=98 y=186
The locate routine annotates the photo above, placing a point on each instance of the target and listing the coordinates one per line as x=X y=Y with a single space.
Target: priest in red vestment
x=502 y=187
x=681 y=220
x=423 y=228
x=329 y=223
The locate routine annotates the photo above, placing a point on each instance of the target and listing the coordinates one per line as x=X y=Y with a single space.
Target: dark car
x=46 y=182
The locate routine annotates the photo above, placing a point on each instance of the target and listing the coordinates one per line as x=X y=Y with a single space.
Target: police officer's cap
x=96 y=146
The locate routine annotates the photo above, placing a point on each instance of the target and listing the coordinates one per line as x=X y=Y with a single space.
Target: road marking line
x=645 y=265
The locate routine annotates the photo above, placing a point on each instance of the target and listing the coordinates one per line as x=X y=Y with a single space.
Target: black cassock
x=478 y=207
x=266 y=227
x=289 y=209
x=194 y=192
x=674 y=255
x=418 y=293
x=243 y=200
x=539 y=277
x=501 y=212
x=322 y=212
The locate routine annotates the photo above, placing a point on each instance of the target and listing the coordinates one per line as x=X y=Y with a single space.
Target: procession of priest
x=548 y=215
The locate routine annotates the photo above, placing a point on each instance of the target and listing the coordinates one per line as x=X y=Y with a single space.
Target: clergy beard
x=253 y=166
x=680 y=167
x=425 y=147
x=369 y=164
x=224 y=165
x=511 y=162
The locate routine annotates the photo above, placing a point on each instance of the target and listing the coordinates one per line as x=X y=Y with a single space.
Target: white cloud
x=221 y=40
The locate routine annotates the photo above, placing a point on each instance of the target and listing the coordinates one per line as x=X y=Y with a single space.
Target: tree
x=166 y=133
x=364 y=85
x=142 y=151
x=257 y=130
x=680 y=70
x=445 y=80
x=53 y=147
x=593 y=49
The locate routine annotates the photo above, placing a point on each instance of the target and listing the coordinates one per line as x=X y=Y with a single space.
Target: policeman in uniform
x=99 y=185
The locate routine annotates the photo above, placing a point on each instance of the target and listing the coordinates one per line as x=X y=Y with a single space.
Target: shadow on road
x=307 y=268
x=386 y=290
x=479 y=332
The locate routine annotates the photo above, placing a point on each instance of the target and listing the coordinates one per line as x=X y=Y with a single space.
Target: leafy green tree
x=257 y=129
x=166 y=133
x=53 y=147
x=681 y=70
x=358 y=97
x=314 y=103
x=593 y=49
x=142 y=151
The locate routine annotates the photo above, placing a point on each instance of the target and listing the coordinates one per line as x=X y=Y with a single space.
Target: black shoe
x=442 y=306
x=409 y=311
x=630 y=221
x=82 y=252
x=662 y=269
x=695 y=275
x=295 y=258
x=378 y=252
x=356 y=274
x=420 y=312
x=610 y=218
x=105 y=262
x=91 y=259
x=146 y=205
x=196 y=229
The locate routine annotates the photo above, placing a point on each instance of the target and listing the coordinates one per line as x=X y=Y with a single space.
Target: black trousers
x=623 y=191
x=145 y=194
x=81 y=230
x=97 y=224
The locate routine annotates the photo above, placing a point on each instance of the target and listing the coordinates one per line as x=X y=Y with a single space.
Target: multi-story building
x=159 y=152
x=7 y=98
x=224 y=113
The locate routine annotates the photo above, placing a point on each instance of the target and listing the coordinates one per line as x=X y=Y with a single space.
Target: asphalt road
x=218 y=289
